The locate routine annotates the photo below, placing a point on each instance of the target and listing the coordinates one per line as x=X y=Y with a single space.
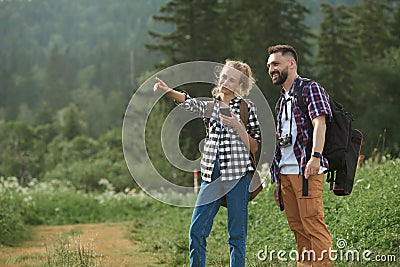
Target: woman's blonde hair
x=246 y=79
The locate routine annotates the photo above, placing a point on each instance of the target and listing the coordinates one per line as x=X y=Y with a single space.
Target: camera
x=285 y=140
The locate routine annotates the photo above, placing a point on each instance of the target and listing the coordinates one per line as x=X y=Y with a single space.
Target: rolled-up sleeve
x=318 y=101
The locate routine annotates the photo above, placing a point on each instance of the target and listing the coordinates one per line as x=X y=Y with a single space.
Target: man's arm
x=314 y=163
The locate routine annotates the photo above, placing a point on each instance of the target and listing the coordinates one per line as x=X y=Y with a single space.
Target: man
x=304 y=211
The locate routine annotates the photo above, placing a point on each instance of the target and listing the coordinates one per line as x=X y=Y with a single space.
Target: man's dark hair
x=284 y=49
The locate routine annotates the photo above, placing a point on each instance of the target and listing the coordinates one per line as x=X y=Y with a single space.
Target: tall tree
x=198 y=33
x=371 y=21
x=357 y=49
x=55 y=91
x=8 y=98
x=375 y=49
x=21 y=151
x=259 y=24
x=395 y=26
x=236 y=29
x=115 y=63
x=70 y=123
x=377 y=105
x=335 y=53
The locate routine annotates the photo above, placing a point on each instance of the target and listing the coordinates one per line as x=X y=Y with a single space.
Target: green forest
x=68 y=69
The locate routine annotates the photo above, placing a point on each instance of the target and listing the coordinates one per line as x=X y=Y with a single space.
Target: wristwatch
x=316 y=155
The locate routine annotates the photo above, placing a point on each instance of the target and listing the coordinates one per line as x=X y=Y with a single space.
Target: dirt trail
x=109 y=240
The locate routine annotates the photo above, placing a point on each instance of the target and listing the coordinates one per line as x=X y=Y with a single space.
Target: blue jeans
x=203 y=216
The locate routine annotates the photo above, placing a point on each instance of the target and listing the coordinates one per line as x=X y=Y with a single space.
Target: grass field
x=367 y=222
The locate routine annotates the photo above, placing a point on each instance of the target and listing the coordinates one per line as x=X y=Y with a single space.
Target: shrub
x=71 y=252
x=12 y=227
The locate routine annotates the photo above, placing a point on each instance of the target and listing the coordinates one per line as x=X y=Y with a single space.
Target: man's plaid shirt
x=233 y=154
x=317 y=100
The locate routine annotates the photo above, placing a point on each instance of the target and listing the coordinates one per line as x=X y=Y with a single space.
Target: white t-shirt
x=288 y=163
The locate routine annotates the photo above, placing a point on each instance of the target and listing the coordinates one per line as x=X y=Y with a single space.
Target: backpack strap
x=330 y=178
x=299 y=96
x=244 y=112
x=244 y=117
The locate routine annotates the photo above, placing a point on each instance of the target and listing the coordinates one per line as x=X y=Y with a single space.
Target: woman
x=225 y=161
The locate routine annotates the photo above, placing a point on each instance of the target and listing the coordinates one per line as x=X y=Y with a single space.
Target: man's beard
x=281 y=77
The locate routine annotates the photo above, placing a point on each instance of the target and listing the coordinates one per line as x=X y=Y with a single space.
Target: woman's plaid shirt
x=233 y=154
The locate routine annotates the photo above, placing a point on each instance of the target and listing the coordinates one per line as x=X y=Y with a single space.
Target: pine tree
x=198 y=33
x=371 y=21
x=372 y=40
x=335 y=53
x=55 y=91
x=395 y=25
x=70 y=123
x=259 y=24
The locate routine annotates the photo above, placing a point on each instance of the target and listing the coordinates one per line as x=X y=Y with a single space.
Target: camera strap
x=284 y=102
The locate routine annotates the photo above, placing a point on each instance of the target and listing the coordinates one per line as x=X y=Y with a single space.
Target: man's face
x=278 y=68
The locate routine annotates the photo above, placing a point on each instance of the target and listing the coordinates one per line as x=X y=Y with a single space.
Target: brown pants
x=305 y=215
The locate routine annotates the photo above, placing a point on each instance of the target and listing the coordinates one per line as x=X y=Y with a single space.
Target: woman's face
x=229 y=80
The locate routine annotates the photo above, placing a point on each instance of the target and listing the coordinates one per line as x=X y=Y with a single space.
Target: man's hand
x=312 y=167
